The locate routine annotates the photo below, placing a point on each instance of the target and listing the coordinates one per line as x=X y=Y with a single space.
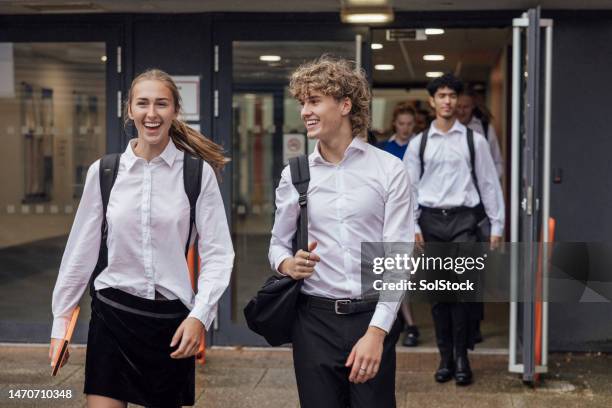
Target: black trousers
x=322 y=342
x=455 y=323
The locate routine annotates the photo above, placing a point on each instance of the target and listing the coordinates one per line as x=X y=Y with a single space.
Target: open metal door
x=530 y=193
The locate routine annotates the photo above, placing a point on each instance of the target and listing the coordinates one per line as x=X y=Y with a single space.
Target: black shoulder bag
x=273 y=310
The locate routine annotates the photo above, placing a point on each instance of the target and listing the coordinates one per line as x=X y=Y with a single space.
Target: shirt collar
x=356 y=145
x=394 y=139
x=475 y=121
x=456 y=128
x=168 y=155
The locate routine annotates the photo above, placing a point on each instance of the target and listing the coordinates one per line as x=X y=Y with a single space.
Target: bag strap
x=300 y=177
x=470 y=142
x=109 y=167
x=422 y=151
x=192 y=181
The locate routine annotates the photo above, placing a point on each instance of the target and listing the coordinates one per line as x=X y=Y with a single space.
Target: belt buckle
x=339 y=302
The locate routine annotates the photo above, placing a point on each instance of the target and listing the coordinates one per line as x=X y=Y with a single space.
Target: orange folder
x=192 y=261
x=59 y=355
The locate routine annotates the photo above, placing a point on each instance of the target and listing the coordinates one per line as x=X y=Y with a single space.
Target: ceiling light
x=433 y=57
x=434 y=31
x=366 y=15
x=384 y=67
x=377 y=46
x=270 y=58
x=434 y=74
x=103 y=58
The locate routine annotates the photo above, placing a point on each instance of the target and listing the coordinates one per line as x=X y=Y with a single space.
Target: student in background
x=421 y=120
x=479 y=121
x=452 y=202
x=403 y=130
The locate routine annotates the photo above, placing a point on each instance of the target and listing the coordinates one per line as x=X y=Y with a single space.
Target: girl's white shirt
x=148 y=224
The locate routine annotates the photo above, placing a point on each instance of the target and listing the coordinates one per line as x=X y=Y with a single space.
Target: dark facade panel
x=581 y=147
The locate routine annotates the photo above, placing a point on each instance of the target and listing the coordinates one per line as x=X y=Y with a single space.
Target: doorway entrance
x=404 y=61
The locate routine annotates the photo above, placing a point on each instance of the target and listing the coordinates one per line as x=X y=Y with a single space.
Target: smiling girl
x=146 y=320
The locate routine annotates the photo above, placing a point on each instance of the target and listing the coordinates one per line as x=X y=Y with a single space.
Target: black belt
x=339 y=306
x=454 y=210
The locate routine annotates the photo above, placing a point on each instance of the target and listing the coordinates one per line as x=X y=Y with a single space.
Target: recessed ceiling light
x=377 y=46
x=434 y=31
x=384 y=67
x=103 y=58
x=433 y=57
x=364 y=18
x=434 y=74
x=270 y=58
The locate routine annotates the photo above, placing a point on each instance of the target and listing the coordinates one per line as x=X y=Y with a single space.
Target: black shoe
x=463 y=372
x=411 y=339
x=445 y=371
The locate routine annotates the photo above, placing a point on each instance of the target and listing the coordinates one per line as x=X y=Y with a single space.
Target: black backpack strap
x=300 y=177
x=192 y=180
x=470 y=142
x=422 y=151
x=109 y=167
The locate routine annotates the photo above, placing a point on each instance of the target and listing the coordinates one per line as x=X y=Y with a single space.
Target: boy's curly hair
x=337 y=78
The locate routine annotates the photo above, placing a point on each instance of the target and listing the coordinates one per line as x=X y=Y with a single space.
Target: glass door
x=58 y=118
x=259 y=123
x=530 y=192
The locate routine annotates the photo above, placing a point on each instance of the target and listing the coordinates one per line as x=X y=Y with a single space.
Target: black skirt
x=128 y=351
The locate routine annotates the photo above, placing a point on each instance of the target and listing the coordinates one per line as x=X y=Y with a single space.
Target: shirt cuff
x=60 y=325
x=279 y=260
x=204 y=313
x=383 y=318
x=497 y=230
x=417 y=229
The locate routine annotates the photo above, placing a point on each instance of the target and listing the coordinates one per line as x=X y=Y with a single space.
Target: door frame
x=530 y=192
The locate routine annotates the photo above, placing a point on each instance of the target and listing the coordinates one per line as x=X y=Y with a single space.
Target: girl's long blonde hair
x=184 y=137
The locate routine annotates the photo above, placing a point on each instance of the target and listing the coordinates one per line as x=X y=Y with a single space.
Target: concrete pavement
x=263 y=378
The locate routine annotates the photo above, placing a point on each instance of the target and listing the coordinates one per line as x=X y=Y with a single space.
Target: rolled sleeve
x=214 y=247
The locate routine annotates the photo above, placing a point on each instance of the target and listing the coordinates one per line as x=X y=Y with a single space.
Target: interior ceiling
x=248 y=69
x=199 y=6
x=73 y=53
x=469 y=53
